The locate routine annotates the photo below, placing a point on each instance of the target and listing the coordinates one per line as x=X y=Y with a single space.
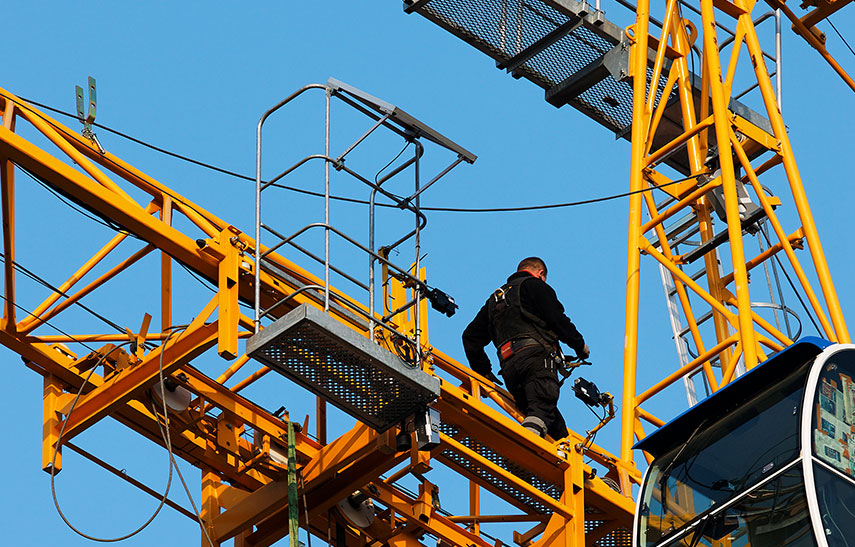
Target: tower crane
x=698 y=147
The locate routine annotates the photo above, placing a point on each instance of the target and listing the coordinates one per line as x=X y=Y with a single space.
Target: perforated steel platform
x=571 y=51
x=368 y=382
x=462 y=461
x=619 y=537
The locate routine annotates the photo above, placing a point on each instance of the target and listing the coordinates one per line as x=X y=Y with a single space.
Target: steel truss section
x=692 y=142
x=723 y=151
x=237 y=444
x=727 y=154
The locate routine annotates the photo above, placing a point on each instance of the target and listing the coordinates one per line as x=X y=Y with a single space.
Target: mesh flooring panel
x=478 y=22
x=568 y=55
x=360 y=378
x=497 y=482
x=505 y=28
x=610 y=101
x=617 y=538
x=550 y=489
x=449 y=429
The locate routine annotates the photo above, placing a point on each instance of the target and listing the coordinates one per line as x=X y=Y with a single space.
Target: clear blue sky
x=194 y=77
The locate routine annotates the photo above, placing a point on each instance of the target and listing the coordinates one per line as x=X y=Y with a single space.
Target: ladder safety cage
x=336 y=362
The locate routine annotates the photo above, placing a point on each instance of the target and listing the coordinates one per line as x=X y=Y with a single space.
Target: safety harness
x=512 y=327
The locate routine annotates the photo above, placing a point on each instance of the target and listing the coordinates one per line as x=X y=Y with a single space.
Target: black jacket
x=537 y=298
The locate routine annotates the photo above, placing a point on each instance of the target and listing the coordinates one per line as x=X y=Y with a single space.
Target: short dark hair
x=532 y=263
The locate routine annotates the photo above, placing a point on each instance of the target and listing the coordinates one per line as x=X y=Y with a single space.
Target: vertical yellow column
x=686 y=93
x=50 y=424
x=229 y=313
x=574 y=484
x=640 y=116
x=210 y=504
x=474 y=489
x=7 y=179
x=166 y=271
x=423 y=314
x=725 y=157
x=321 y=419
x=720 y=322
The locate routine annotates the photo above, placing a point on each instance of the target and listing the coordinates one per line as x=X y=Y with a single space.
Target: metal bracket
x=614 y=62
x=89 y=119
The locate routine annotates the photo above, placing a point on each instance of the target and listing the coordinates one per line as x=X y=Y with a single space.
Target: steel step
x=329 y=359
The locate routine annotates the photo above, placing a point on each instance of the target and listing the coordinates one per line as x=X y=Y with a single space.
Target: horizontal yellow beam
x=794 y=239
x=437 y=524
x=124 y=384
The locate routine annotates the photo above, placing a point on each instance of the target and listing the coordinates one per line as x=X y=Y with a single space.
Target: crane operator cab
x=766 y=461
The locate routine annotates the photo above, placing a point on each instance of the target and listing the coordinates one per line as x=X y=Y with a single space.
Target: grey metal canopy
x=411 y=126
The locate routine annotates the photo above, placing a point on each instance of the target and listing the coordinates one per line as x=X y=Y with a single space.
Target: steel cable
x=343 y=198
x=841 y=36
x=53 y=472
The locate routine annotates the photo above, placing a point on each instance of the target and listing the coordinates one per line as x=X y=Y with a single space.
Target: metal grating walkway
x=619 y=537
x=547 y=487
x=569 y=50
x=332 y=361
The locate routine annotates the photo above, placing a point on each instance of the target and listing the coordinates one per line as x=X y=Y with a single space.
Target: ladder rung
x=695 y=276
x=721 y=237
x=703 y=319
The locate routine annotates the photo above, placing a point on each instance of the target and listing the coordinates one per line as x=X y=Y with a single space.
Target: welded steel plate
x=329 y=359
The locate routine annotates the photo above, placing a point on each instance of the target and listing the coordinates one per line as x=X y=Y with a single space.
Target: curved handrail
x=277 y=106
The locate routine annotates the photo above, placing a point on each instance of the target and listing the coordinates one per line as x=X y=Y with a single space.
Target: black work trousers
x=535 y=388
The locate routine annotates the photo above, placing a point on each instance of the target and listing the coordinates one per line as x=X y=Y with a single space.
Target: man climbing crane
x=525 y=321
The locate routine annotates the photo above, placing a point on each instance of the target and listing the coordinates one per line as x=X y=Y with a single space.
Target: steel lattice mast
x=742 y=151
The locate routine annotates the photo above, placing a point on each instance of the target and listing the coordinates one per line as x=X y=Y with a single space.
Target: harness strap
x=508 y=349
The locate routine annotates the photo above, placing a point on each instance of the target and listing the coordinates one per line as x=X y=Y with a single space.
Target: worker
x=524 y=320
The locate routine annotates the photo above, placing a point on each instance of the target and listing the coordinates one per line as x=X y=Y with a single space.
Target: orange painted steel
x=244 y=491
x=734 y=225
x=39 y=318
x=740 y=336
x=7 y=186
x=822 y=11
x=77 y=276
x=249 y=509
x=638 y=71
x=804 y=28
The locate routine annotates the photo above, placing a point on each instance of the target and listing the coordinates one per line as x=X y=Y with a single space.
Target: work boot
x=535 y=425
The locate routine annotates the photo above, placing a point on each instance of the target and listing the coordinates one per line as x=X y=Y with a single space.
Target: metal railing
x=383 y=115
